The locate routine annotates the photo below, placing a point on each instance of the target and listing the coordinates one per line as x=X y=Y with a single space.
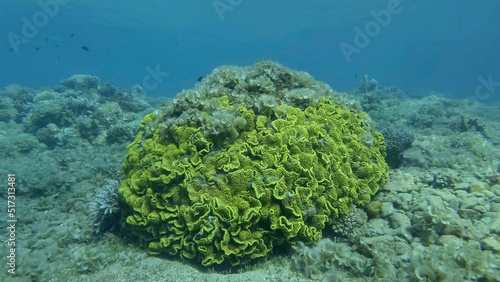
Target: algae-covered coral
x=250 y=158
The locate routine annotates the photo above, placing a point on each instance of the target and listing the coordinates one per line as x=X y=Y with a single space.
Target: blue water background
x=443 y=46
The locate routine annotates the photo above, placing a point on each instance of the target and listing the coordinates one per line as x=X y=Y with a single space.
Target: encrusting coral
x=251 y=158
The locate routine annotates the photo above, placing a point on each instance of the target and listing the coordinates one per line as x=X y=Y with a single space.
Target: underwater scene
x=238 y=140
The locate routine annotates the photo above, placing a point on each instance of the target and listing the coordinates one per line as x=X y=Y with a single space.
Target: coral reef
x=7 y=110
x=346 y=226
x=62 y=126
x=88 y=259
x=331 y=261
x=367 y=84
x=397 y=139
x=454 y=263
x=438 y=215
x=106 y=206
x=35 y=265
x=80 y=109
x=81 y=82
x=60 y=173
x=249 y=159
x=14 y=101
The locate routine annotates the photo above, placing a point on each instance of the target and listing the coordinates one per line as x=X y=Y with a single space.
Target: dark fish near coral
x=200 y=78
x=85 y=48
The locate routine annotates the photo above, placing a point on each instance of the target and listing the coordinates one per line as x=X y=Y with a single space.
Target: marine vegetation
x=249 y=159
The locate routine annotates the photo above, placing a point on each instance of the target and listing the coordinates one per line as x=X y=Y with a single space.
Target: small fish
x=52 y=38
x=356 y=75
x=85 y=48
x=200 y=78
x=57 y=45
x=37 y=48
x=72 y=35
x=11 y=49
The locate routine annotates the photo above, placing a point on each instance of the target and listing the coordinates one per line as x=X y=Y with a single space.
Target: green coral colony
x=251 y=158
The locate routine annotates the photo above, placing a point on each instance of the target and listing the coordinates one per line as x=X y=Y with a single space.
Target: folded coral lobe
x=250 y=158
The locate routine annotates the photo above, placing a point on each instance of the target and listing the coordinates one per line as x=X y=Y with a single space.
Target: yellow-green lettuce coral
x=249 y=159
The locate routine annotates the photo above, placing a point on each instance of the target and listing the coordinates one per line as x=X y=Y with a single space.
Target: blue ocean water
x=421 y=47
x=258 y=172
